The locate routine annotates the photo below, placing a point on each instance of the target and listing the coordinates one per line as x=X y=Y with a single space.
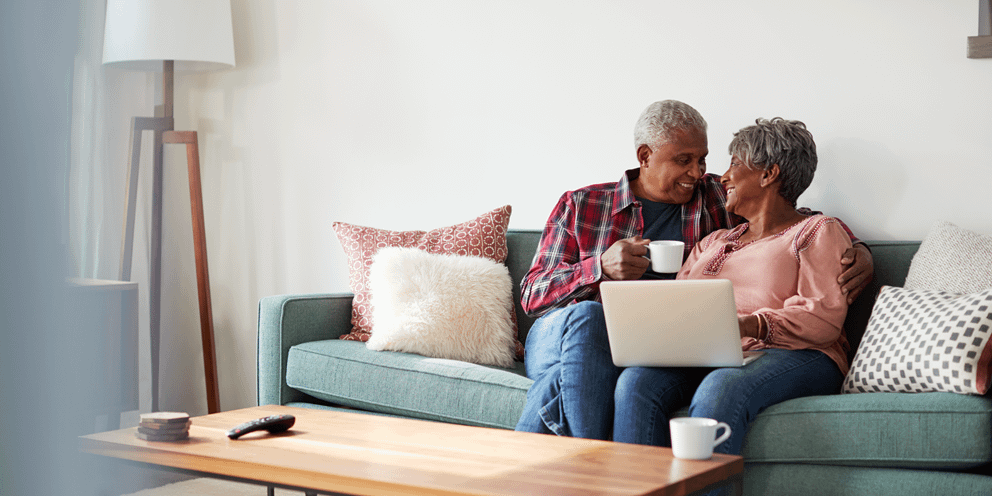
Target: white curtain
x=103 y=102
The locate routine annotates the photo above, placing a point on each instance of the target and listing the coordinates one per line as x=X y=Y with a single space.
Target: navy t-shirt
x=661 y=221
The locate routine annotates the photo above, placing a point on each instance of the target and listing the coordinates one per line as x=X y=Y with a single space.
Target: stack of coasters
x=164 y=426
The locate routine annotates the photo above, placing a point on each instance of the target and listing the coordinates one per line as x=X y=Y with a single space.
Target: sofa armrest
x=287 y=320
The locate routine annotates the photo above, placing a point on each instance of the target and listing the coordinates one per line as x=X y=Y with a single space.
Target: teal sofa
x=872 y=444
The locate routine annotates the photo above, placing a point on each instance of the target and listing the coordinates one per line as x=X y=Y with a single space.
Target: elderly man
x=600 y=232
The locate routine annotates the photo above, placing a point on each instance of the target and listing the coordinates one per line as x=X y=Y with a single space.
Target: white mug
x=693 y=437
x=666 y=256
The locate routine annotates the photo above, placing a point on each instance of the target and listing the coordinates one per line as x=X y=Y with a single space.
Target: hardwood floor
x=115 y=478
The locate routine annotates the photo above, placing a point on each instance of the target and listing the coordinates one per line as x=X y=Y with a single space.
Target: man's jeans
x=646 y=397
x=568 y=357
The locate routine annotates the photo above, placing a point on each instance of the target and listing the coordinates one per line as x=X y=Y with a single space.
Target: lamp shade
x=196 y=34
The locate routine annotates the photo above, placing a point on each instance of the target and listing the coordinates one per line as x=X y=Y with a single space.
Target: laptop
x=681 y=323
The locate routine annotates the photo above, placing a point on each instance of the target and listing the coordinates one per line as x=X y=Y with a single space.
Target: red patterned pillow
x=484 y=236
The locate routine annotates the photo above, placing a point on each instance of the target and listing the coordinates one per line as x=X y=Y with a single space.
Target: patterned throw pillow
x=484 y=236
x=919 y=341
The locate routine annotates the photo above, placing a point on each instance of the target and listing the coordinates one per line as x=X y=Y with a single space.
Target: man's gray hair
x=661 y=119
x=778 y=141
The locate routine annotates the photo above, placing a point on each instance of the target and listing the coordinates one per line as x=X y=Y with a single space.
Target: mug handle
x=726 y=433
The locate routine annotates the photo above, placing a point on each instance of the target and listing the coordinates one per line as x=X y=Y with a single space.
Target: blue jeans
x=647 y=397
x=568 y=357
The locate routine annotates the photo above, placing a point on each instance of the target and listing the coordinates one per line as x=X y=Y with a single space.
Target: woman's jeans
x=646 y=397
x=579 y=392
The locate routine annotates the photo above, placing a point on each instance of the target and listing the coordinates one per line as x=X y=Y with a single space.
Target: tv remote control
x=272 y=423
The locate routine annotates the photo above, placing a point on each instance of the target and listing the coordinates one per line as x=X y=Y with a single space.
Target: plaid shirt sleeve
x=559 y=273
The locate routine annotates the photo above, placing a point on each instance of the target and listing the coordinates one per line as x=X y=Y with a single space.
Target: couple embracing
x=794 y=273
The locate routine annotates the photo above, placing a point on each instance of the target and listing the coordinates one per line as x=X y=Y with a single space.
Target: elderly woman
x=783 y=267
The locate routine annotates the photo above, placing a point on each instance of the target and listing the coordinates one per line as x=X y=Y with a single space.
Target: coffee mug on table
x=666 y=256
x=694 y=438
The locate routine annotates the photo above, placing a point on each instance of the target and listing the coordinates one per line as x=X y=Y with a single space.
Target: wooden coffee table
x=352 y=453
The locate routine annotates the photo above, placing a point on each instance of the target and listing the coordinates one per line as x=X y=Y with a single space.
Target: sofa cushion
x=891 y=259
x=952 y=259
x=803 y=479
x=920 y=341
x=442 y=306
x=484 y=236
x=346 y=373
x=922 y=430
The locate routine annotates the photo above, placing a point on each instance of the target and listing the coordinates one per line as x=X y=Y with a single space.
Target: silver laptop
x=673 y=323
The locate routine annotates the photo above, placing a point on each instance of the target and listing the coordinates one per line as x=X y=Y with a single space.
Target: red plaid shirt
x=586 y=222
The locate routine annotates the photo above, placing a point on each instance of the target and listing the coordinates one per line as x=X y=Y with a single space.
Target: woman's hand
x=860 y=268
x=749 y=326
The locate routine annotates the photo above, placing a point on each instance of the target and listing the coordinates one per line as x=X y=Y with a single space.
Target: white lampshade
x=196 y=34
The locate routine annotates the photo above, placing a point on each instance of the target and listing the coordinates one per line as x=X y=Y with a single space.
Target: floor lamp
x=169 y=36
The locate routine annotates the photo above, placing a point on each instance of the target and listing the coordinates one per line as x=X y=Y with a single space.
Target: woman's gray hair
x=778 y=141
x=658 y=122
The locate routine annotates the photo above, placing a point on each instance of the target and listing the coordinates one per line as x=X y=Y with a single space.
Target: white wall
x=414 y=115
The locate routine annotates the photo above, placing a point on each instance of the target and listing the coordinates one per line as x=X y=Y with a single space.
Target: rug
x=211 y=487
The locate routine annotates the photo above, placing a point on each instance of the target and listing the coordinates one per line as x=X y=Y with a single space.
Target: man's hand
x=859 y=270
x=625 y=260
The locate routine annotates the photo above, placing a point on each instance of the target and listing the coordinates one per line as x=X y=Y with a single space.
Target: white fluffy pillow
x=953 y=260
x=442 y=306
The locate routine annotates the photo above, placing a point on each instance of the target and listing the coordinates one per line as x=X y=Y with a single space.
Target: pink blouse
x=789 y=278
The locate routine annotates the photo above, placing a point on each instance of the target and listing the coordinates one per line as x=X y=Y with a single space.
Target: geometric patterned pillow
x=484 y=236
x=924 y=341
